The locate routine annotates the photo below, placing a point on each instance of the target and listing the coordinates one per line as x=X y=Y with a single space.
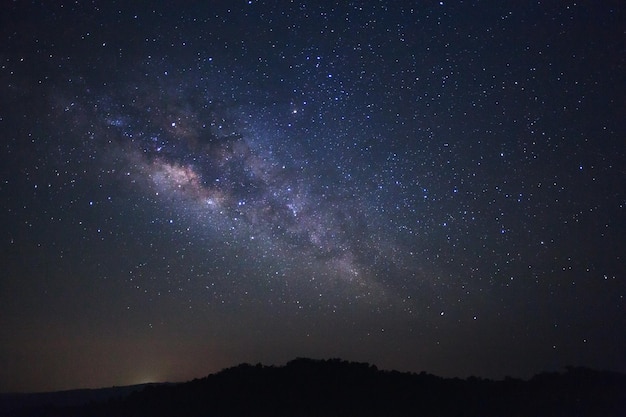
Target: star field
x=434 y=186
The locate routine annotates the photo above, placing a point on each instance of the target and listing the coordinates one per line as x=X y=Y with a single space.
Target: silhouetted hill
x=306 y=387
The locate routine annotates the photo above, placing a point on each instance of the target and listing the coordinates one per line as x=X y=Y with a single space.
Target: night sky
x=425 y=186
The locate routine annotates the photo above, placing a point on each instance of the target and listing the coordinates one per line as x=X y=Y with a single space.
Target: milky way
x=223 y=175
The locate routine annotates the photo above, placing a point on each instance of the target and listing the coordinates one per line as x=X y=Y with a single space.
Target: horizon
x=562 y=371
x=337 y=387
x=432 y=187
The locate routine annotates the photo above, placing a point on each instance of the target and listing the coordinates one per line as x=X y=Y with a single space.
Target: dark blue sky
x=434 y=186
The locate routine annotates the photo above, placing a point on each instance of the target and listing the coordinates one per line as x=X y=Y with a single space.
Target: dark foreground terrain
x=306 y=387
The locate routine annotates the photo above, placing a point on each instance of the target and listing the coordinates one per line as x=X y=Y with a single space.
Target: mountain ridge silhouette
x=334 y=387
